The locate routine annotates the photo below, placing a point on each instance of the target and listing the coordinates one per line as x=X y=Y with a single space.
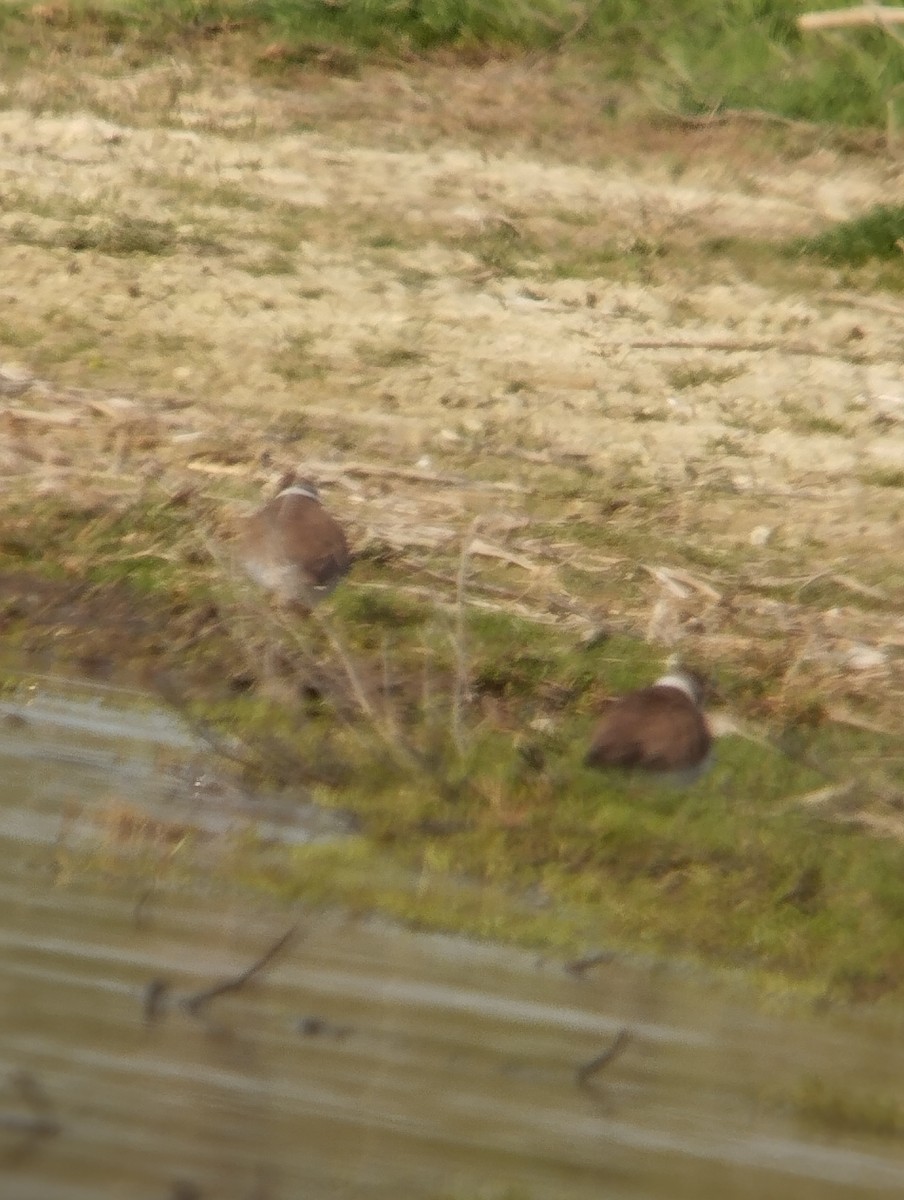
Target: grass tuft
x=839 y=1110
x=744 y=54
x=876 y=234
x=886 y=477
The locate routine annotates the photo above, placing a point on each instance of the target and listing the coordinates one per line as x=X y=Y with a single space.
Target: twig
x=870 y=302
x=861 y=589
x=354 y=679
x=40 y=1121
x=721 y=344
x=39 y=416
x=411 y=475
x=552 y=615
x=480 y=585
x=579 y=26
x=803 y=759
x=167 y=691
x=458 y=642
x=677 y=581
x=802 y=582
x=482 y=549
x=824 y=795
x=386 y=729
x=580 y=966
x=155 y=995
x=586 y=1071
x=758 y=116
x=882 y=826
x=842 y=715
x=197 y=1001
x=866 y=14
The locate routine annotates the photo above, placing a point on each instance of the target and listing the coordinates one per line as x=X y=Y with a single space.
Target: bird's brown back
x=295 y=529
x=656 y=729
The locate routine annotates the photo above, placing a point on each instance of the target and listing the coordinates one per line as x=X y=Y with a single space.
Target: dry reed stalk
x=723 y=345
x=823 y=796
x=410 y=475
x=877 y=823
x=726 y=116
x=844 y=18
x=680 y=583
x=461 y=688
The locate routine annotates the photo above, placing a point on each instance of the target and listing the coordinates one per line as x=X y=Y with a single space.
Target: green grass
x=732 y=871
x=876 y=234
x=295 y=360
x=696 y=374
x=805 y=421
x=840 y=1110
x=119 y=236
x=693 y=57
x=887 y=477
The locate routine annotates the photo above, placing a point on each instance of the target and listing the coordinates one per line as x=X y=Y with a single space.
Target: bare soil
x=461 y=294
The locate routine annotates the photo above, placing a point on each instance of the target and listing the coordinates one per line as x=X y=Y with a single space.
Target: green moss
x=887 y=477
x=695 y=374
x=119 y=236
x=876 y=234
x=839 y=1109
x=380 y=610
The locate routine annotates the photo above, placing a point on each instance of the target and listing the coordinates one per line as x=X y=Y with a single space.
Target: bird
x=661 y=730
x=293 y=548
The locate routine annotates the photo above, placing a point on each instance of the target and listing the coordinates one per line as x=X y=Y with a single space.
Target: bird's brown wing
x=657 y=729
x=311 y=538
x=615 y=742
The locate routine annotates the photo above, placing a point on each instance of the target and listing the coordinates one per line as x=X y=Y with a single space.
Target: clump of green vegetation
x=695 y=374
x=391 y=355
x=566 y=260
x=837 y=1108
x=695 y=60
x=296 y=360
x=499 y=246
x=876 y=234
x=804 y=420
x=123 y=236
x=888 y=477
x=119 y=236
x=275 y=262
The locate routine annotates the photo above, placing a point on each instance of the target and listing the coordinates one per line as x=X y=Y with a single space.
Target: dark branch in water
x=198 y=1001
x=143 y=903
x=40 y=1122
x=155 y=995
x=320 y=1027
x=185 y=1189
x=587 y=1070
x=170 y=694
x=580 y=966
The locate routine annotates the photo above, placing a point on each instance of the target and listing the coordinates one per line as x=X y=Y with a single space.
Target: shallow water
x=366 y=1061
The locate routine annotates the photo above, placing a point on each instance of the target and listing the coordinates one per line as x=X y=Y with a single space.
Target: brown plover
x=660 y=729
x=293 y=547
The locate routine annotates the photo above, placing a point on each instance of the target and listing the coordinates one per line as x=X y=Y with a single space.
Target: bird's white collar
x=298 y=489
x=680 y=682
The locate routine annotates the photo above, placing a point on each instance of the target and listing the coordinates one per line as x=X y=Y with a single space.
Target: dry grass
x=551 y=547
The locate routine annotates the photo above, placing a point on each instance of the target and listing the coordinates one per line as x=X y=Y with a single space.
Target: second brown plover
x=661 y=730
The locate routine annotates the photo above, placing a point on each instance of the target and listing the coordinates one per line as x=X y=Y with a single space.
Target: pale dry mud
x=349 y=255
x=220 y=161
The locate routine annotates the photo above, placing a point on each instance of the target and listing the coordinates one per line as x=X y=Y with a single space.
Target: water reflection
x=365 y=1061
